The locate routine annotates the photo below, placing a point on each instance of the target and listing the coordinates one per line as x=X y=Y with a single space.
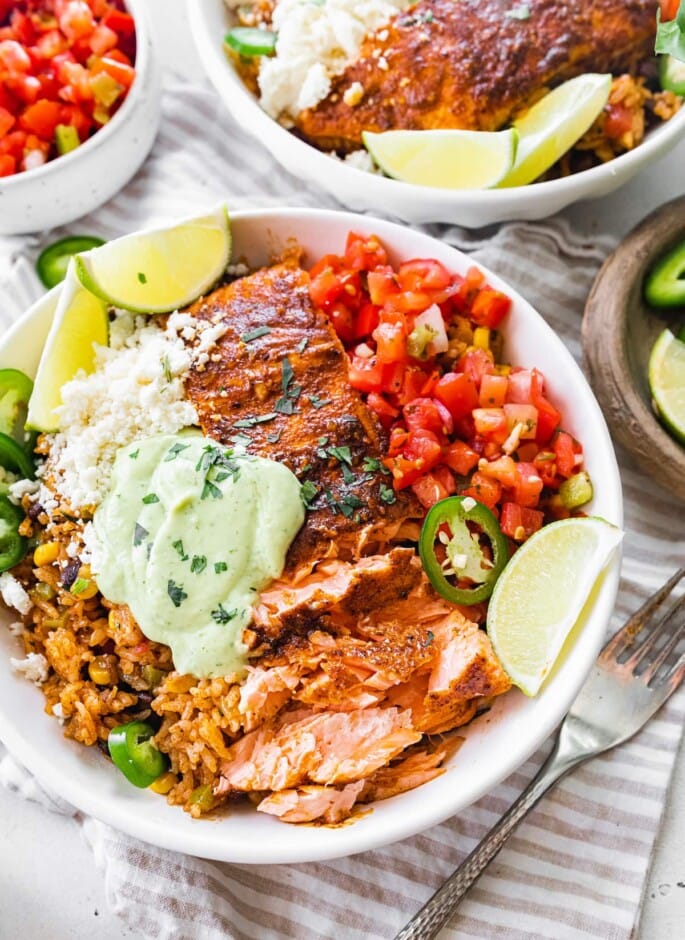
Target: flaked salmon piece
x=464 y=672
x=278 y=377
x=313 y=803
x=328 y=748
x=410 y=772
x=351 y=588
x=264 y=692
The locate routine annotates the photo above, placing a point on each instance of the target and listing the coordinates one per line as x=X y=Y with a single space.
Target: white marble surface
x=50 y=888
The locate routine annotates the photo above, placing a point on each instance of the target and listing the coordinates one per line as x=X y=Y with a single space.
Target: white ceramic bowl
x=78 y=182
x=362 y=191
x=496 y=743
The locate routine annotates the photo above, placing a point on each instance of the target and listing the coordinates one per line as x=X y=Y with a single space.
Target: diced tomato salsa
x=425 y=352
x=65 y=68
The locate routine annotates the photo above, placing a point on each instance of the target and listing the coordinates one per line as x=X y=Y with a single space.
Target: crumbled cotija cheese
x=135 y=391
x=315 y=43
x=13 y=594
x=34 y=668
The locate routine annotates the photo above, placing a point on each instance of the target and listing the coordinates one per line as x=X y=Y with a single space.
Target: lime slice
x=451 y=159
x=162 y=269
x=80 y=320
x=553 y=125
x=541 y=593
x=667 y=382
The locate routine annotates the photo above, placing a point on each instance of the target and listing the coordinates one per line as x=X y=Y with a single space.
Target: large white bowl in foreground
x=73 y=185
x=496 y=743
x=359 y=190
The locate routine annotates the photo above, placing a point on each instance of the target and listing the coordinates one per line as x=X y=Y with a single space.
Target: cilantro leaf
x=308 y=494
x=174 y=451
x=150 y=498
x=198 y=564
x=176 y=593
x=178 y=546
x=139 y=534
x=256 y=419
x=387 y=494
x=220 y=566
x=255 y=334
x=221 y=615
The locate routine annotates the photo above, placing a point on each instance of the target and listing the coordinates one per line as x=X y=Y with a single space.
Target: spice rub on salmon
x=277 y=382
x=474 y=64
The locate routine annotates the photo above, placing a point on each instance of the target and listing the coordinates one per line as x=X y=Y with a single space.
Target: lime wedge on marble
x=541 y=593
x=161 y=269
x=667 y=382
x=553 y=125
x=80 y=320
x=451 y=159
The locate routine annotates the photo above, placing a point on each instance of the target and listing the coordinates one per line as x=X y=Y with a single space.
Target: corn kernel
x=164 y=783
x=501 y=369
x=481 y=337
x=103 y=670
x=46 y=553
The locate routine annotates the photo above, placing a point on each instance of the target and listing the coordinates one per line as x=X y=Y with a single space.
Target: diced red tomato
x=565 y=454
x=491 y=424
x=366 y=321
x=461 y=458
x=382 y=285
x=476 y=363
x=669 y=9
x=468 y=290
x=7 y=121
x=618 y=120
x=457 y=391
x=423 y=414
x=528 y=486
x=504 y=470
x=518 y=522
x=434 y=486
x=49 y=52
x=391 y=342
x=423 y=275
x=493 y=391
x=484 y=489
x=8 y=164
x=364 y=253
x=420 y=454
x=546 y=466
x=382 y=407
x=366 y=374
x=489 y=307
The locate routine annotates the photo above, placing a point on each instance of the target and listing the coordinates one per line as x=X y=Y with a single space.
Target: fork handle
x=437 y=910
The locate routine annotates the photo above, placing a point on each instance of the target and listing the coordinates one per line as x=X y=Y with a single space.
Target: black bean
x=34 y=510
x=70 y=573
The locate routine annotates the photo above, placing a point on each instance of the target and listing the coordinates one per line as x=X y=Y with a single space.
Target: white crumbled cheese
x=354 y=94
x=34 y=667
x=315 y=43
x=16 y=628
x=58 y=712
x=19 y=489
x=135 y=391
x=361 y=160
x=13 y=594
x=237 y=270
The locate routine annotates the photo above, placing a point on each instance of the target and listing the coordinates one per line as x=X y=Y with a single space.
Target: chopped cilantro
x=241 y=440
x=175 y=450
x=178 y=547
x=176 y=593
x=348 y=476
x=287 y=374
x=142 y=278
x=139 y=534
x=220 y=566
x=308 y=494
x=319 y=402
x=341 y=454
x=285 y=406
x=255 y=419
x=134 y=454
x=211 y=489
x=198 y=564
x=387 y=494
x=150 y=498
x=221 y=615
x=255 y=334
x=323 y=441
x=275 y=437
x=166 y=368
x=302 y=345
x=373 y=465
x=348 y=504
x=430 y=636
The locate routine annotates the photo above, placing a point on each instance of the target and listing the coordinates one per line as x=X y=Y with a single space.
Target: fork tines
x=651 y=632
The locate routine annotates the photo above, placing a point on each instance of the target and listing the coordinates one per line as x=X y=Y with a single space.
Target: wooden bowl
x=619 y=330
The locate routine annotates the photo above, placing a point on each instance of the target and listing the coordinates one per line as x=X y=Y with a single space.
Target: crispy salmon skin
x=473 y=64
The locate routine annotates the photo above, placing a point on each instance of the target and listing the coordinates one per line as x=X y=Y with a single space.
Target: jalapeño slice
x=463 y=549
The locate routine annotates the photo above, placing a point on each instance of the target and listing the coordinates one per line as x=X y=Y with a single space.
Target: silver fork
x=632 y=677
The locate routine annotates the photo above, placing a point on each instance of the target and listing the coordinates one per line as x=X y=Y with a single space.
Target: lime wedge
x=161 y=269
x=452 y=159
x=80 y=320
x=541 y=593
x=553 y=125
x=667 y=382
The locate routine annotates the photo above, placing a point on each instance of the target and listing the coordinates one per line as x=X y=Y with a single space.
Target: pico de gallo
x=425 y=351
x=66 y=66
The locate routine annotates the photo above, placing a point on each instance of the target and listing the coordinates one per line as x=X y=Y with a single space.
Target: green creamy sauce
x=190 y=532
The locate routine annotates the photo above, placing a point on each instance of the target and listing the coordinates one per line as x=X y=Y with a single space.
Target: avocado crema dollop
x=189 y=533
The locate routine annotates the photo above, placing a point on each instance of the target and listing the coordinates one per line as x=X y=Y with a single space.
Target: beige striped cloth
x=576 y=867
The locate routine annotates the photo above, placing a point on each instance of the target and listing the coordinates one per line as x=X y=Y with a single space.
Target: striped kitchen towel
x=577 y=866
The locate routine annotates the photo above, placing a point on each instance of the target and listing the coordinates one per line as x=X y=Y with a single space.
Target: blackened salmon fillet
x=277 y=381
x=473 y=64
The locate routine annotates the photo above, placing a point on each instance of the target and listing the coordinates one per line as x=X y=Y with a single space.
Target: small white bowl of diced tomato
x=79 y=106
